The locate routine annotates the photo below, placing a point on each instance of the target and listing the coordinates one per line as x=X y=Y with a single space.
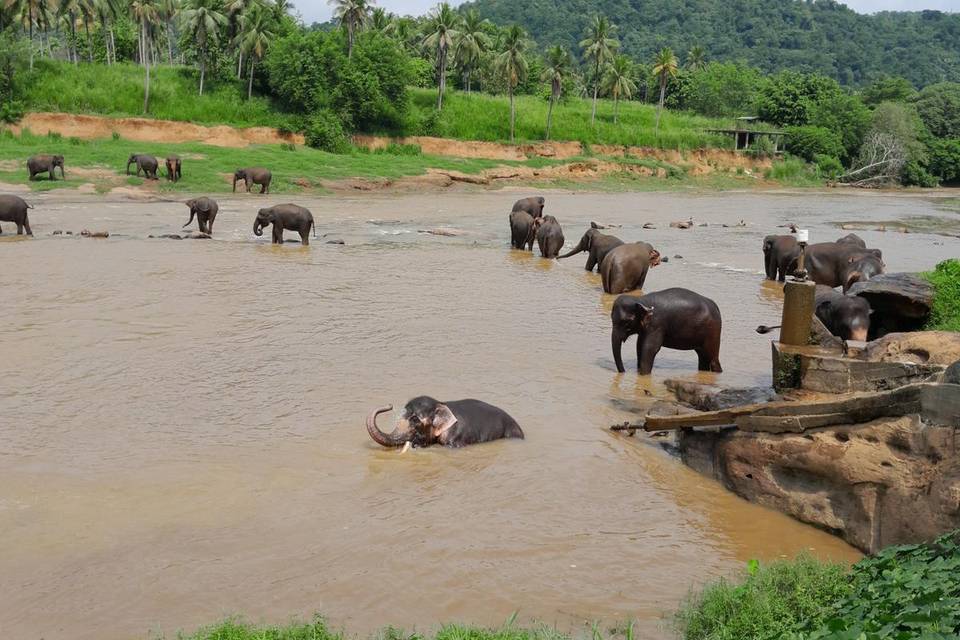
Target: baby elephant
x=673 y=318
x=45 y=164
x=206 y=211
x=174 y=172
x=522 y=230
x=549 y=236
x=847 y=317
x=425 y=421
x=146 y=163
x=285 y=216
x=14 y=209
x=625 y=268
x=252 y=176
x=533 y=206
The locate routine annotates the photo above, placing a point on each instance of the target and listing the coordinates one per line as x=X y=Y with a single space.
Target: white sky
x=319 y=10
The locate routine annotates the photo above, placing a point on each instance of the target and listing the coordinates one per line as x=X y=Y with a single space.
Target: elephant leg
x=647 y=350
x=277 y=234
x=26 y=224
x=305 y=236
x=709 y=353
x=591 y=262
x=19 y=228
x=263 y=189
x=642 y=278
x=52 y=176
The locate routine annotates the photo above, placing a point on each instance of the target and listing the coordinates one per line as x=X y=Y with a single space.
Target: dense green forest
x=818 y=36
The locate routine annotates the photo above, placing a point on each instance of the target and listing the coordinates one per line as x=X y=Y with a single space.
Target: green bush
x=828 y=166
x=762 y=147
x=808 y=142
x=768 y=604
x=788 y=169
x=945 y=314
x=325 y=132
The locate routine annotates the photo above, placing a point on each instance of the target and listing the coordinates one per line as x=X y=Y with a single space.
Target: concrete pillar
x=798 y=306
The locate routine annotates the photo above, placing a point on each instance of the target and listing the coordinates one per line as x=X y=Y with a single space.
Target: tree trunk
x=73 y=38
x=596 y=89
x=663 y=91
x=170 y=42
x=553 y=101
x=239 y=64
x=146 y=64
x=616 y=107
x=86 y=27
x=203 y=70
x=512 y=114
x=30 y=18
x=250 y=81
x=442 y=75
x=349 y=39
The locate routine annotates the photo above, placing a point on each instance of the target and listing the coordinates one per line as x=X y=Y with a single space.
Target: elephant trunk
x=257 y=227
x=191 y=220
x=392 y=440
x=616 y=342
x=581 y=246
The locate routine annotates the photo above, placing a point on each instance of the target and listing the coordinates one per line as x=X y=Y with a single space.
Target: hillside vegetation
x=818 y=37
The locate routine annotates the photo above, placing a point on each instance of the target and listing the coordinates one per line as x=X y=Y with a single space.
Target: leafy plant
x=325 y=132
x=945 y=314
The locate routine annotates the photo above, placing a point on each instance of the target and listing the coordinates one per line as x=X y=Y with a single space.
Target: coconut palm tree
x=598 y=47
x=68 y=12
x=87 y=15
x=442 y=31
x=203 y=20
x=402 y=30
x=255 y=38
x=236 y=9
x=471 y=44
x=665 y=66
x=511 y=64
x=169 y=10
x=281 y=9
x=146 y=14
x=696 y=58
x=379 y=20
x=107 y=12
x=352 y=15
x=29 y=15
x=557 y=66
x=618 y=82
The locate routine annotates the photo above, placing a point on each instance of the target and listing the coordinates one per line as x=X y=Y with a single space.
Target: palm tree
x=664 y=67
x=68 y=12
x=442 y=29
x=281 y=9
x=30 y=14
x=558 y=63
x=696 y=58
x=169 y=9
x=401 y=30
x=107 y=12
x=471 y=44
x=236 y=9
x=379 y=20
x=618 y=82
x=599 y=46
x=255 y=37
x=512 y=65
x=203 y=20
x=87 y=11
x=146 y=14
x=352 y=16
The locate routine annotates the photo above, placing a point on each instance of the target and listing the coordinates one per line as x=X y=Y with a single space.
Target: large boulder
x=900 y=302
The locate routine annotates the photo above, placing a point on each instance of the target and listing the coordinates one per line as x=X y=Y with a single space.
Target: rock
x=900 y=302
x=664 y=259
x=919 y=347
x=597 y=225
x=649 y=225
x=86 y=233
x=169 y=236
x=336 y=241
x=69 y=233
x=952 y=374
x=678 y=257
x=708 y=397
x=703 y=224
x=197 y=235
x=58 y=232
x=682 y=225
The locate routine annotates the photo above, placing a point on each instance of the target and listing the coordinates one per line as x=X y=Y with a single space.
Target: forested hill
x=814 y=36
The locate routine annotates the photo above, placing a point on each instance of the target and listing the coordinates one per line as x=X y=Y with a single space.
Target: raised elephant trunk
x=392 y=440
x=616 y=342
x=257 y=227
x=583 y=245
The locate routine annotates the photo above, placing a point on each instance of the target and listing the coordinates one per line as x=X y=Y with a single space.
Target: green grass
x=794 y=172
x=118 y=91
x=482 y=117
x=769 y=602
x=945 y=314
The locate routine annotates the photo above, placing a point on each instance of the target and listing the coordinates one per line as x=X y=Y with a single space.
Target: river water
x=181 y=422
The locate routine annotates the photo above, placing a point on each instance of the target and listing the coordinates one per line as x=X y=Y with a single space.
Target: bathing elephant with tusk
x=533 y=206
x=425 y=421
x=522 y=230
x=174 y=172
x=597 y=244
x=45 y=164
x=206 y=211
x=625 y=267
x=549 y=236
x=252 y=176
x=673 y=318
x=285 y=216
x=146 y=163
x=14 y=209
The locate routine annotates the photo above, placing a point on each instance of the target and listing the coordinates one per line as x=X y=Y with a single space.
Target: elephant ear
x=443 y=420
x=654 y=257
x=644 y=313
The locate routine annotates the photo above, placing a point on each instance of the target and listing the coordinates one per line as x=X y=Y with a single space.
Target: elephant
x=673 y=318
x=425 y=421
x=285 y=216
x=853 y=240
x=522 y=230
x=841 y=265
x=533 y=206
x=597 y=244
x=625 y=267
x=147 y=164
x=14 y=209
x=779 y=255
x=549 y=236
x=847 y=317
x=252 y=176
x=45 y=163
x=174 y=172
x=206 y=211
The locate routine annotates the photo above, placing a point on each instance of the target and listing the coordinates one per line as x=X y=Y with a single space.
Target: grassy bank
x=946 y=303
x=118 y=91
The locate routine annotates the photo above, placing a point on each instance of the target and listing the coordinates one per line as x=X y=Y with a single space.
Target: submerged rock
x=86 y=233
x=336 y=241
x=708 y=397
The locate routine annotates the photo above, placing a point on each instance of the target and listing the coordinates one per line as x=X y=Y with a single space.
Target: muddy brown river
x=181 y=422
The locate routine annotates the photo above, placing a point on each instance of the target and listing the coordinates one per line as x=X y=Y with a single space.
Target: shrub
x=808 y=142
x=787 y=169
x=325 y=132
x=828 y=166
x=395 y=149
x=762 y=147
x=945 y=316
x=11 y=111
x=769 y=603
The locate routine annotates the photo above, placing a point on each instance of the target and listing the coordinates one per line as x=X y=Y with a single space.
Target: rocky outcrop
x=900 y=302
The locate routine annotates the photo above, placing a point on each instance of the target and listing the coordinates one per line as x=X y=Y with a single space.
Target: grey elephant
x=174 y=172
x=206 y=211
x=252 y=176
x=45 y=164
x=14 y=209
x=522 y=230
x=146 y=163
x=285 y=216
x=625 y=267
x=597 y=244
x=549 y=236
x=533 y=206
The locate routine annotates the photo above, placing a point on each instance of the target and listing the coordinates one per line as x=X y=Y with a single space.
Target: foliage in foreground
x=946 y=303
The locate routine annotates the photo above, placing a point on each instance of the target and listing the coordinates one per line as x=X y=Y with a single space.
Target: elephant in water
x=14 y=209
x=842 y=264
x=533 y=206
x=425 y=421
x=597 y=244
x=252 y=176
x=847 y=317
x=206 y=211
x=780 y=254
x=549 y=236
x=286 y=216
x=522 y=230
x=45 y=164
x=673 y=318
x=625 y=267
